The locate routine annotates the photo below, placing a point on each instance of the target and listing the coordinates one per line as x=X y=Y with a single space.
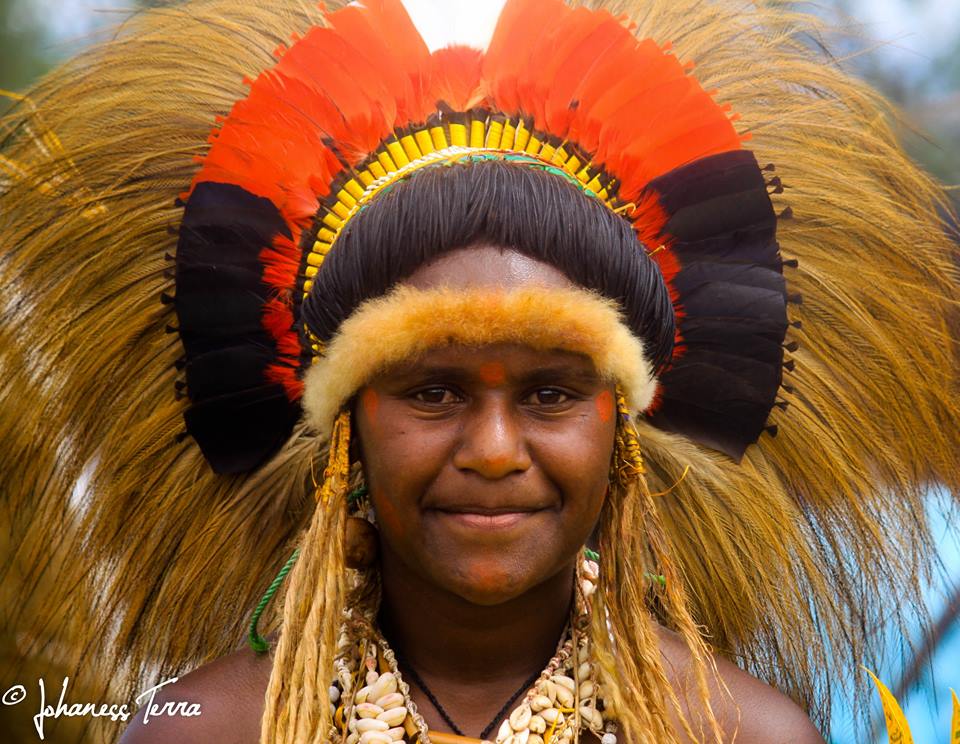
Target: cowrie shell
x=504 y=733
x=535 y=739
x=540 y=702
x=521 y=737
x=394 y=716
x=592 y=715
x=537 y=725
x=386 y=684
x=550 y=690
x=586 y=690
x=564 y=697
x=584 y=670
x=370 y=724
x=368 y=710
x=550 y=715
x=371 y=677
x=563 y=681
x=520 y=718
x=362 y=694
x=375 y=737
x=393 y=700
x=397 y=733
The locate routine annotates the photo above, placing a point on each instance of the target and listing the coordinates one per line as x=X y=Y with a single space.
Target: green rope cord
x=257 y=642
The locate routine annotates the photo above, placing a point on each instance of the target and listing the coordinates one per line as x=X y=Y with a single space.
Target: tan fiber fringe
x=406 y=322
x=784 y=560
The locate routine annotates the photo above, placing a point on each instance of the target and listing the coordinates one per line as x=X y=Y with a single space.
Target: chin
x=491 y=581
x=494 y=579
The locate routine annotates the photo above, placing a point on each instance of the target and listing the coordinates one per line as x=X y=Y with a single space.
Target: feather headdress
x=107 y=285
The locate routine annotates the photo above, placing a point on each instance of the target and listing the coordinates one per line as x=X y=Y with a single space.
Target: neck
x=447 y=639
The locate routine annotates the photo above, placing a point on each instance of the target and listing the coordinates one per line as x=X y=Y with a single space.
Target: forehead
x=486 y=265
x=506 y=362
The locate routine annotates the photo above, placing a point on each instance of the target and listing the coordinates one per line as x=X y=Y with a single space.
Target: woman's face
x=487 y=467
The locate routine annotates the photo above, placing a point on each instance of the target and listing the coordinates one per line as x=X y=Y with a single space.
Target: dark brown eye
x=548 y=397
x=435 y=395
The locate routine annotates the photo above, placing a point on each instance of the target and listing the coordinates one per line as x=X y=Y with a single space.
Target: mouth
x=485 y=518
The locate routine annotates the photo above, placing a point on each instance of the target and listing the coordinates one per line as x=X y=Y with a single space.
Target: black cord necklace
x=485 y=734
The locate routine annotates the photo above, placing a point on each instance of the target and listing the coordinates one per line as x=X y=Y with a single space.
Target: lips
x=485 y=517
x=489 y=511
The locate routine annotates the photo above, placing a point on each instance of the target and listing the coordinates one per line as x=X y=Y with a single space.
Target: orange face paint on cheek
x=605 y=406
x=493 y=374
x=387 y=514
x=370 y=402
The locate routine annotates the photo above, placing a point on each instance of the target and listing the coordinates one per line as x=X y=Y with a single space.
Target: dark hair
x=440 y=209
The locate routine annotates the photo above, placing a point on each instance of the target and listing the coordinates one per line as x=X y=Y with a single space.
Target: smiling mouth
x=486 y=519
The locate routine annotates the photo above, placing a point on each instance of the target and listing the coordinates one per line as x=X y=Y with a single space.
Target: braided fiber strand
x=296 y=709
x=624 y=624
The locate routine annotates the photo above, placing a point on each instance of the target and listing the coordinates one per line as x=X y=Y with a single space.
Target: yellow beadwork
x=410 y=151
x=336 y=476
x=629 y=457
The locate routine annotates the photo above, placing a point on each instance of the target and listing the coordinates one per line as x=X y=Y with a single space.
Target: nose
x=492 y=443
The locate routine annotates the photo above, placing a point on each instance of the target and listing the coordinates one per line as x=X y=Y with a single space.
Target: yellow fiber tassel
x=336 y=476
x=629 y=456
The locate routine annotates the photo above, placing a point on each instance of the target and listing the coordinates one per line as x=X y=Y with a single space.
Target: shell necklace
x=370 y=701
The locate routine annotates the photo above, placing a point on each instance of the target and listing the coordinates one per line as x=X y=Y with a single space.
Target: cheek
x=605 y=406
x=389 y=517
x=578 y=459
x=401 y=458
x=370 y=402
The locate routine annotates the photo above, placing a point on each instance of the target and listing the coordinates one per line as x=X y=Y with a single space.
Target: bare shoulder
x=221 y=701
x=751 y=710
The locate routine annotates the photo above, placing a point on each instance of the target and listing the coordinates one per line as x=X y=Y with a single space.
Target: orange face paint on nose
x=370 y=402
x=605 y=406
x=493 y=374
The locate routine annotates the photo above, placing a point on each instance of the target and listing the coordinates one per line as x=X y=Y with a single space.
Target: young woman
x=507 y=348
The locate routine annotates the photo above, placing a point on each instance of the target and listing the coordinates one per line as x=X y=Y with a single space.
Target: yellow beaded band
x=480 y=137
